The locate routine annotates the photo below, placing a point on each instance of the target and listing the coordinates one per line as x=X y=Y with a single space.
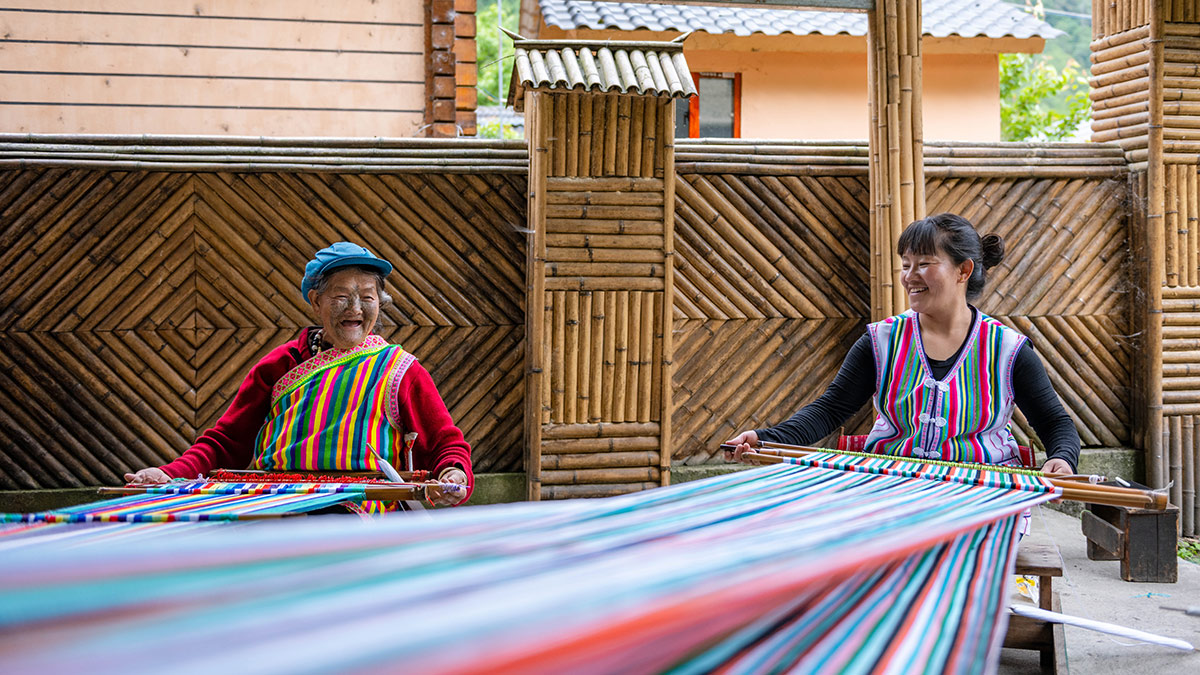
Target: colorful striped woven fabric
x=964 y=416
x=201 y=501
x=327 y=410
x=775 y=568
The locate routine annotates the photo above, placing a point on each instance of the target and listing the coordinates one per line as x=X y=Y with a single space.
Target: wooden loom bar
x=381 y=491
x=1071 y=489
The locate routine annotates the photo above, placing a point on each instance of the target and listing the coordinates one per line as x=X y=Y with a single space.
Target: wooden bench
x=1039 y=557
x=1143 y=540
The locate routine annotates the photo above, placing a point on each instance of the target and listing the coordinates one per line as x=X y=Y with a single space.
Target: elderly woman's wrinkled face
x=348 y=307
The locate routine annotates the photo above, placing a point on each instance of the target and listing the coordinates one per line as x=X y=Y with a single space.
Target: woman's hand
x=745 y=442
x=1057 y=467
x=150 y=476
x=443 y=496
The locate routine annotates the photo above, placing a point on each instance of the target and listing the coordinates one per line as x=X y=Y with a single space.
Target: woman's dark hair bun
x=992 y=249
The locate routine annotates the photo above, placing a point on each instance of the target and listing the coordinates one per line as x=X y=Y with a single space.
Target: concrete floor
x=1094 y=590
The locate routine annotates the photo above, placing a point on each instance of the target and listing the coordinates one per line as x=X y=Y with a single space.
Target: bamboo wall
x=1111 y=18
x=771 y=254
x=1146 y=97
x=601 y=220
x=134 y=302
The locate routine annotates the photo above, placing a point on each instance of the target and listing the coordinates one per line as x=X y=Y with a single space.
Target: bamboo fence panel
x=1110 y=18
x=137 y=301
x=599 y=135
x=601 y=213
x=1181 y=397
x=748 y=358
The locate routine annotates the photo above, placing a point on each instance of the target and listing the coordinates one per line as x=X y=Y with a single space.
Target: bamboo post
x=535 y=274
x=896 y=164
x=1156 y=462
x=667 y=144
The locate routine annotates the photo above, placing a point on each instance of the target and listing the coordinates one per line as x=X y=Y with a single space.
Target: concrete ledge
x=682 y=473
x=1127 y=463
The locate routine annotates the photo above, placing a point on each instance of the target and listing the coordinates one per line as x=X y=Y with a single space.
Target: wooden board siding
x=274 y=68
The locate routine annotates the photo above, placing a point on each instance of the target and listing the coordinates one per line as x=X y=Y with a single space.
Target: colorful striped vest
x=961 y=418
x=326 y=410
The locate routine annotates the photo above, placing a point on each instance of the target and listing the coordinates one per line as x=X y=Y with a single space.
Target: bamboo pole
x=663 y=367
x=558 y=142
x=583 y=405
x=602 y=430
x=612 y=132
x=571 y=357
x=596 y=363
x=1170 y=233
x=637 y=116
x=645 y=365
x=535 y=297
x=1071 y=489
x=1156 y=467
x=634 y=352
x=586 y=131
x=1192 y=222
x=572 y=143
x=624 y=124
x=1187 y=502
x=1175 y=473
x=608 y=365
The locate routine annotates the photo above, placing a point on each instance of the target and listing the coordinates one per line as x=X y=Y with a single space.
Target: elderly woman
x=323 y=400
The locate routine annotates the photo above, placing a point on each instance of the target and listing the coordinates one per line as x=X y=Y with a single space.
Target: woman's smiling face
x=347 y=307
x=933 y=282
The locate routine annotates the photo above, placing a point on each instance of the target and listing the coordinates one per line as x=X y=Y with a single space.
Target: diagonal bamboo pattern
x=138 y=301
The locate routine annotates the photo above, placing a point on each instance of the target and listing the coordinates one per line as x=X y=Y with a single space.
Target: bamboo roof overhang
x=604 y=66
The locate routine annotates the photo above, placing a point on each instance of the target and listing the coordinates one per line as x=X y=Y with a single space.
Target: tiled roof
x=646 y=68
x=942 y=18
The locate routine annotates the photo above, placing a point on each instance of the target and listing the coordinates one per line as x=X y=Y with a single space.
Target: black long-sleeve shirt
x=854 y=385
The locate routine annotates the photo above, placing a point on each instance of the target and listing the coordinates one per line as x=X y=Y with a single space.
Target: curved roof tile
x=942 y=18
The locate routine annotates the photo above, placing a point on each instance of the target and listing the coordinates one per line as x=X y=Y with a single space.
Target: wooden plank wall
x=771 y=274
x=227 y=67
x=135 y=302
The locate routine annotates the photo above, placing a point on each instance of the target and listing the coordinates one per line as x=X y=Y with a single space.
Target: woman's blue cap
x=341 y=254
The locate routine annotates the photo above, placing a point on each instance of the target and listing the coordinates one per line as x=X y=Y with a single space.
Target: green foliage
x=1076 y=44
x=1038 y=101
x=497 y=130
x=1189 y=550
x=488 y=41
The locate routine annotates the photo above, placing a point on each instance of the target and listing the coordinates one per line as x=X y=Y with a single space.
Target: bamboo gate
x=595 y=309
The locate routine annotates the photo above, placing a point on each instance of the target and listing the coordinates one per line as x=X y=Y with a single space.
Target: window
x=716 y=112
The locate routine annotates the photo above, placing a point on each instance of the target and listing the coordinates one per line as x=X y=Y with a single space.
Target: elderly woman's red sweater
x=229 y=444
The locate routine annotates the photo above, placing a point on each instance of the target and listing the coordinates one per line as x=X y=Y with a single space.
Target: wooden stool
x=1143 y=540
x=1040 y=559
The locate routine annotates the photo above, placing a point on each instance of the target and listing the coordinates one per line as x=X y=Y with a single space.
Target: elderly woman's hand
x=745 y=442
x=150 y=476
x=443 y=496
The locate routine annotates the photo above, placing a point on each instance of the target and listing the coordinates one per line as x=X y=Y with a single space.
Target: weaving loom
x=831 y=564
